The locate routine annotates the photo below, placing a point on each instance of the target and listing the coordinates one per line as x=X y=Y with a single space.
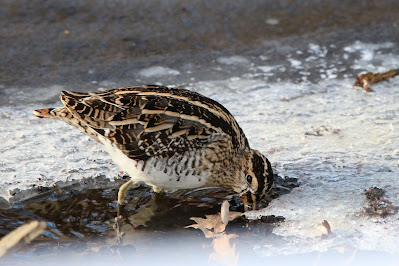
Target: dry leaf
x=224 y=253
x=327 y=226
x=215 y=224
x=365 y=80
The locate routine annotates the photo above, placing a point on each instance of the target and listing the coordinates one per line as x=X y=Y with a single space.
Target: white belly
x=154 y=173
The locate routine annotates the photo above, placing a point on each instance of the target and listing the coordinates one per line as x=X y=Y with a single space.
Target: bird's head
x=256 y=178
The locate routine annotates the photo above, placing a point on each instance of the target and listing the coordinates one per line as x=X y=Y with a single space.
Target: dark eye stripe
x=259 y=171
x=270 y=175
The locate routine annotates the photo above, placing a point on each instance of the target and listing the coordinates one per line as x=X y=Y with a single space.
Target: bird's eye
x=249 y=179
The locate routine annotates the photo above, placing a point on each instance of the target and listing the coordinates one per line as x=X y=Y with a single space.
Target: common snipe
x=169 y=138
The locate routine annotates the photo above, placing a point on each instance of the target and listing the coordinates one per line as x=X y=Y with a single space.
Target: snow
x=295 y=63
x=369 y=55
x=158 y=71
x=338 y=140
x=272 y=21
x=317 y=50
x=42 y=152
x=233 y=60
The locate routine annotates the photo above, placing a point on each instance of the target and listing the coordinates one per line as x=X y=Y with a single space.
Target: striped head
x=258 y=177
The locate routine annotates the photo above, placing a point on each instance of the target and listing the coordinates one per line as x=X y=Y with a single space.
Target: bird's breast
x=185 y=171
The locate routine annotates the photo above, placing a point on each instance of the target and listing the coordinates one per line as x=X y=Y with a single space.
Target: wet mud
x=377 y=204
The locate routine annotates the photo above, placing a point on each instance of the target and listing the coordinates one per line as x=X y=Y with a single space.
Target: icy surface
x=233 y=60
x=338 y=140
x=157 y=71
x=38 y=152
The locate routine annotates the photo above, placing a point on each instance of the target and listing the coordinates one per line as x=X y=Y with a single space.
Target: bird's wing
x=152 y=121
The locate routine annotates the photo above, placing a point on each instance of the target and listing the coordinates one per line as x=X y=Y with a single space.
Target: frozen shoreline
x=336 y=139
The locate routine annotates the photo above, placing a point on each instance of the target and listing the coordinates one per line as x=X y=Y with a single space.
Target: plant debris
x=321 y=131
x=271 y=219
x=224 y=253
x=21 y=236
x=118 y=230
x=377 y=205
x=365 y=80
x=214 y=225
x=327 y=227
x=374 y=193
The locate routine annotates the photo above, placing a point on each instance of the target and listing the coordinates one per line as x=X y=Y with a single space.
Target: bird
x=168 y=138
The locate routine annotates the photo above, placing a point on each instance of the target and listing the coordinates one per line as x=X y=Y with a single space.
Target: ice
x=272 y=21
x=371 y=55
x=295 y=63
x=338 y=140
x=158 y=71
x=41 y=152
x=233 y=60
x=358 y=151
x=331 y=73
x=317 y=49
x=335 y=169
x=267 y=70
x=361 y=46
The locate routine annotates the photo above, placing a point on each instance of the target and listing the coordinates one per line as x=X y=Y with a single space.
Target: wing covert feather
x=155 y=121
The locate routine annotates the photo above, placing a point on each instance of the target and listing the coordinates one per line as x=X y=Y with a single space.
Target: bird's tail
x=44 y=113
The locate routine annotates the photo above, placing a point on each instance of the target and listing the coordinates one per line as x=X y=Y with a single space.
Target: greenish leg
x=157 y=189
x=158 y=192
x=122 y=195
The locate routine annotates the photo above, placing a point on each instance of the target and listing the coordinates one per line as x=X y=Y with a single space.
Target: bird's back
x=148 y=121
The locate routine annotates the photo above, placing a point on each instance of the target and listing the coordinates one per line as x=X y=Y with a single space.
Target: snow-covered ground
x=338 y=140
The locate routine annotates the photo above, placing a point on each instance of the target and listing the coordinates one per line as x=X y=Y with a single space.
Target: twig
x=118 y=229
x=365 y=80
x=20 y=236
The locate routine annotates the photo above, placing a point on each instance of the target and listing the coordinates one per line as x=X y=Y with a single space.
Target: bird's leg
x=122 y=196
x=157 y=192
x=122 y=193
x=157 y=189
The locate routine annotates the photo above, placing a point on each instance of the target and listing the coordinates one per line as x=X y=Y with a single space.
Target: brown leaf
x=327 y=227
x=224 y=253
x=215 y=224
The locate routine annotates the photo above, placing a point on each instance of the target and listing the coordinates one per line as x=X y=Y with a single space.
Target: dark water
x=75 y=42
x=80 y=221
